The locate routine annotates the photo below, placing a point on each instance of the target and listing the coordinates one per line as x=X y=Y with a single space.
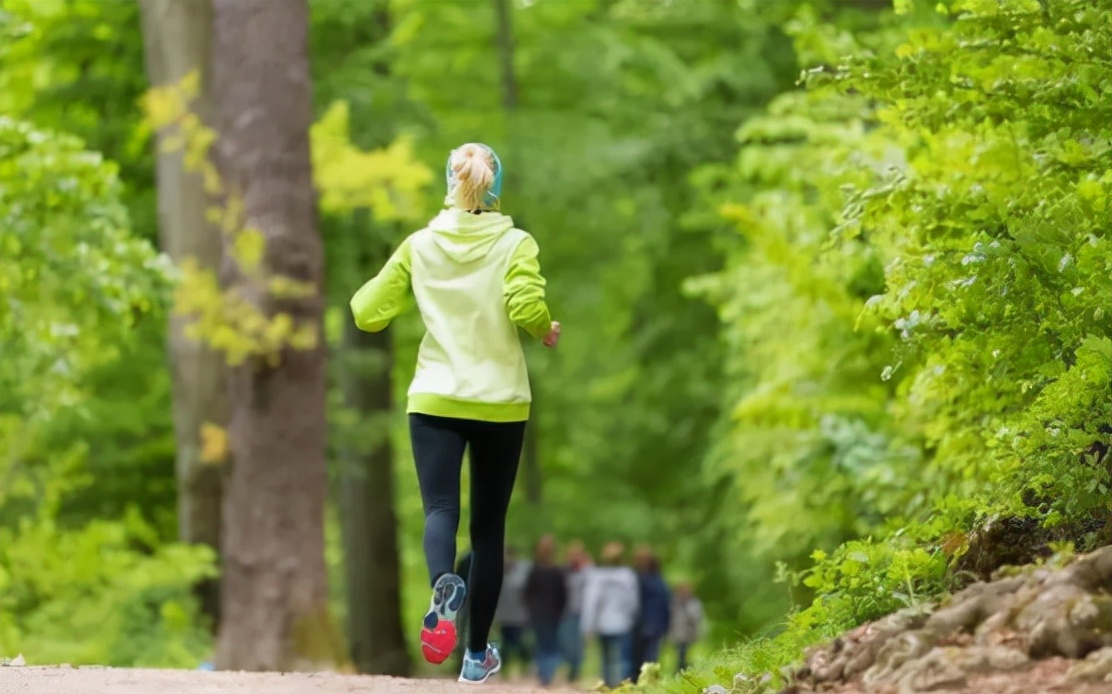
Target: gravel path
x=68 y=680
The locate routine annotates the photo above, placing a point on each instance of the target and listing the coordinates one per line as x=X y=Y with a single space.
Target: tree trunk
x=370 y=527
x=176 y=38
x=531 y=465
x=369 y=524
x=275 y=593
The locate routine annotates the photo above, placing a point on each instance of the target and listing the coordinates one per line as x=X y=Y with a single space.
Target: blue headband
x=490 y=200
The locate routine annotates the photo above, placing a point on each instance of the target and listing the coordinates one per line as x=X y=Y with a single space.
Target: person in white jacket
x=610 y=604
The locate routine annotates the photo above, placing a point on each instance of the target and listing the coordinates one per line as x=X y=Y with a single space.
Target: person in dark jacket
x=545 y=598
x=655 y=614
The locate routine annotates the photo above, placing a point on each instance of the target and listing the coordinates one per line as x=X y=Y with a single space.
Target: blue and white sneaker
x=479 y=671
x=438 y=630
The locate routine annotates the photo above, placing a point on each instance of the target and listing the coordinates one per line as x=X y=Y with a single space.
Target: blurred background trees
x=833 y=276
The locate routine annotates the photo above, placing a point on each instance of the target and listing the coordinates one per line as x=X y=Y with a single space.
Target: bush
x=100 y=594
x=73 y=284
x=969 y=153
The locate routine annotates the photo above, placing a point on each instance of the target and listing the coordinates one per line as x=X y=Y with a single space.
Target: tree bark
x=370 y=527
x=275 y=593
x=531 y=465
x=176 y=38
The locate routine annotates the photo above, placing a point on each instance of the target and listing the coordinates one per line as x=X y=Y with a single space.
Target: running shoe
x=479 y=671
x=438 y=632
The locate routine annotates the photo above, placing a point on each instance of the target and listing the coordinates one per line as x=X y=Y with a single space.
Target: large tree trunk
x=176 y=38
x=275 y=592
x=370 y=527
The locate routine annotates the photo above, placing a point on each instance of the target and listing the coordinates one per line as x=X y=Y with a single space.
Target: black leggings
x=495 y=447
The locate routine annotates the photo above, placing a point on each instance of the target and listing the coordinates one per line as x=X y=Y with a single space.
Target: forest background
x=834 y=277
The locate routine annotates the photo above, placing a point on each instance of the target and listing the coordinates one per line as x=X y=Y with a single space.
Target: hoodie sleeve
x=523 y=290
x=381 y=299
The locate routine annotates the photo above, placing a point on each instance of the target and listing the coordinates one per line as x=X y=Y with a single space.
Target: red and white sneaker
x=438 y=632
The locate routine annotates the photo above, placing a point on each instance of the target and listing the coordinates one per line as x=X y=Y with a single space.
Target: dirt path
x=68 y=680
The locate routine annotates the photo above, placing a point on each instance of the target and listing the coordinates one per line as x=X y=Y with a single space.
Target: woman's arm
x=379 y=300
x=523 y=290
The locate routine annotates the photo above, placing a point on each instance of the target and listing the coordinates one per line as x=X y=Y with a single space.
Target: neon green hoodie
x=476 y=279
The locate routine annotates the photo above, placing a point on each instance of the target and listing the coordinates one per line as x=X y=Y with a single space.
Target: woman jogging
x=476 y=280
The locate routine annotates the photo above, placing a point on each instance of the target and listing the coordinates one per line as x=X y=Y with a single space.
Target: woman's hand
x=553 y=336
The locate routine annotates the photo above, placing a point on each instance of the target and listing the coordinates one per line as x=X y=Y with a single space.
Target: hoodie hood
x=466 y=237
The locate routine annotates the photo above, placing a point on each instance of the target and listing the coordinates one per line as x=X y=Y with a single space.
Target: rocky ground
x=1041 y=631
x=68 y=680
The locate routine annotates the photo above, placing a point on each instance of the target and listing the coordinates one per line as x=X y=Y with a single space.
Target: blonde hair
x=472 y=167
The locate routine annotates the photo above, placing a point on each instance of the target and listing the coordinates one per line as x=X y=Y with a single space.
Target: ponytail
x=472 y=173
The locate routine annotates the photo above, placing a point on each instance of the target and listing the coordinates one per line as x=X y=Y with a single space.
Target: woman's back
x=476 y=280
x=471 y=351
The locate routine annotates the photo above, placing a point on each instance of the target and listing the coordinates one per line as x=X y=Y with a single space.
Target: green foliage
x=388 y=181
x=863 y=321
x=965 y=155
x=864 y=580
x=73 y=280
x=809 y=420
x=998 y=288
x=807 y=447
x=75 y=284
x=108 y=593
x=76 y=66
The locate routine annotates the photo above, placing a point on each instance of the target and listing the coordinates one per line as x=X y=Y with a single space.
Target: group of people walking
x=549 y=611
